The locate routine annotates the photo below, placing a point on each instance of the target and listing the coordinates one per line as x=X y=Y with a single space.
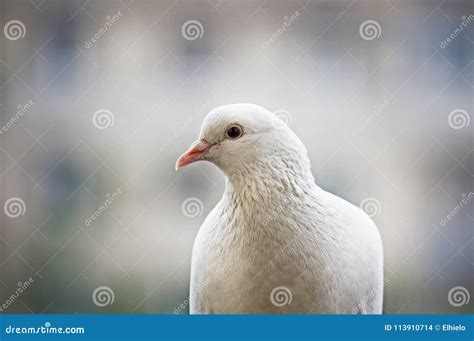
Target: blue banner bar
x=237 y=327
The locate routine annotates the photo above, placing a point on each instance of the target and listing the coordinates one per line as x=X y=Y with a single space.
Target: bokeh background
x=111 y=92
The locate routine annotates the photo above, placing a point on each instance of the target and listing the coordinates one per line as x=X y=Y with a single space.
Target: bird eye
x=234 y=132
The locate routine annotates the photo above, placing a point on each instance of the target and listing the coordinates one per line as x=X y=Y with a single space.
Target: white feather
x=274 y=227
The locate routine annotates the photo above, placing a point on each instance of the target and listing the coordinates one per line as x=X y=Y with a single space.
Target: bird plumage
x=275 y=229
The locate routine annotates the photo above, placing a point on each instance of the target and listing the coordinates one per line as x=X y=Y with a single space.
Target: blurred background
x=99 y=98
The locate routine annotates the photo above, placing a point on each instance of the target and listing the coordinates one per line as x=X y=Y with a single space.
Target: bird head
x=236 y=136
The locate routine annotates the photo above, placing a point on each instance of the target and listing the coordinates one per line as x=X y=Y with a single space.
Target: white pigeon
x=276 y=242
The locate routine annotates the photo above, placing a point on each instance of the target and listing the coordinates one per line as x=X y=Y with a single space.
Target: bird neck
x=270 y=182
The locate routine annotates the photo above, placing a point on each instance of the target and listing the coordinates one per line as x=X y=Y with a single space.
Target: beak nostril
x=195 y=153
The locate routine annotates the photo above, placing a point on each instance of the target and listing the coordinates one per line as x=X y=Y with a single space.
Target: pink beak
x=195 y=153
